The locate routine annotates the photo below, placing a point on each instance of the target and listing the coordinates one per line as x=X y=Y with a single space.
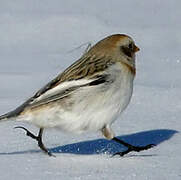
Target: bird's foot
x=135 y=148
x=28 y=133
x=37 y=138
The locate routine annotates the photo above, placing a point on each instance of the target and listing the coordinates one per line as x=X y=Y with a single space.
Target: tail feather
x=15 y=112
x=5 y=116
x=10 y=114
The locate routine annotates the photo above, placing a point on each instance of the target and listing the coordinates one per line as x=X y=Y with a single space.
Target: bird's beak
x=136 y=49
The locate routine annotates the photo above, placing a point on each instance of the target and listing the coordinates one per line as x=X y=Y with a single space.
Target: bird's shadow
x=102 y=146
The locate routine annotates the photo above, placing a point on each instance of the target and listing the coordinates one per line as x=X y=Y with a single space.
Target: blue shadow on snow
x=101 y=146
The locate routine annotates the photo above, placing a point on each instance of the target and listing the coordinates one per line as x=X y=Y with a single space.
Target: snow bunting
x=88 y=96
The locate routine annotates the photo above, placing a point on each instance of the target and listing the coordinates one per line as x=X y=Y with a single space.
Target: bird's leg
x=40 y=143
x=131 y=147
x=37 y=138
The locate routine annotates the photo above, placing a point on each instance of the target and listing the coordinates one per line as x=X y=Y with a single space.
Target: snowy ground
x=36 y=38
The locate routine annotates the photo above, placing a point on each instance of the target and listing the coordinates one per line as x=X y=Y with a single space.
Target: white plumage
x=88 y=96
x=90 y=108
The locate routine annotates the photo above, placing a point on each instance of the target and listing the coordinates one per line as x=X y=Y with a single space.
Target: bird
x=87 y=96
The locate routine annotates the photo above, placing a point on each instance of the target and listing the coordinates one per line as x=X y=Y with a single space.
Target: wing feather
x=86 y=66
x=87 y=71
x=70 y=88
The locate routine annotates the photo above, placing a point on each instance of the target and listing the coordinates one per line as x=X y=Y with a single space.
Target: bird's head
x=117 y=47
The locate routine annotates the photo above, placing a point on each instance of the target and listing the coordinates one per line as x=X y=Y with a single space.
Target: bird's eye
x=126 y=50
x=130 y=46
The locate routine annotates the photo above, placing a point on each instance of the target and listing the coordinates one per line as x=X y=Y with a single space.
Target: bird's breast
x=99 y=105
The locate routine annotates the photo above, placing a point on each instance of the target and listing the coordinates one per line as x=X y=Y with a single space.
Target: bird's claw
x=28 y=133
x=135 y=148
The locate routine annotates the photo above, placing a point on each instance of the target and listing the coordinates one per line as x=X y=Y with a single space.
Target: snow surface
x=36 y=43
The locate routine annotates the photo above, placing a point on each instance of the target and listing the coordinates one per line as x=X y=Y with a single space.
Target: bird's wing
x=87 y=71
x=65 y=89
x=86 y=66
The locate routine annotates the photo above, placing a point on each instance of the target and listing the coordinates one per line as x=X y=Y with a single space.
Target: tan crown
x=110 y=45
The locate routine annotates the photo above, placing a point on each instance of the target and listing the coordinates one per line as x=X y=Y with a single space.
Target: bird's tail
x=14 y=113
x=6 y=116
x=11 y=114
x=3 y=117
